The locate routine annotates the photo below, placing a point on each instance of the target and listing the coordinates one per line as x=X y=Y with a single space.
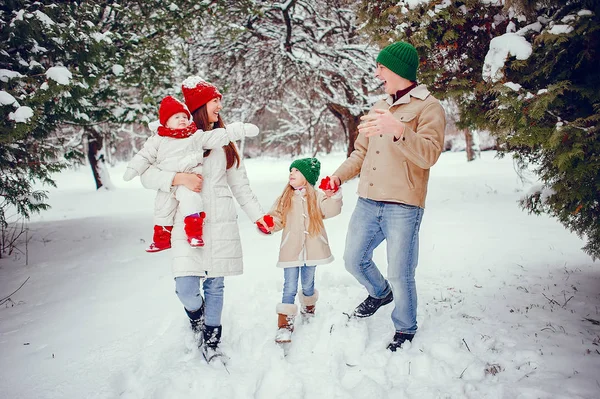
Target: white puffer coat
x=222 y=252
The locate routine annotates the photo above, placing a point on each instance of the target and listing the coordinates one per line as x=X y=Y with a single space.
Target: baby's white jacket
x=184 y=154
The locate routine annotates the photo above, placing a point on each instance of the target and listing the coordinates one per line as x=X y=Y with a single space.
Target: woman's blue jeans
x=188 y=291
x=290 y=282
x=398 y=224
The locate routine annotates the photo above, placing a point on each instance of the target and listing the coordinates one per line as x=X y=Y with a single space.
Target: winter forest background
x=80 y=80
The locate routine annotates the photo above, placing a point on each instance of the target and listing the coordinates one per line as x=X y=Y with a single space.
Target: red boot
x=161 y=239
x=193 y=229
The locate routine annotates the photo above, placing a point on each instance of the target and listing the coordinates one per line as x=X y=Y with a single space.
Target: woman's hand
x=190 y=180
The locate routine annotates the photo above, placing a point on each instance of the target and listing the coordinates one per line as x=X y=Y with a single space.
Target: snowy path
x=503 y=302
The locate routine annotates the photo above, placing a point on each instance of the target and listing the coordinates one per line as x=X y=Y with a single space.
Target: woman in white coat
x=224 y=177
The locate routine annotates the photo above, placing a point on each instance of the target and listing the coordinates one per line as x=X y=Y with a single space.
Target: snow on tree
x=452 y=40
x=546 y=111
x=294 y=59
x=527 y=71
x=71 y=73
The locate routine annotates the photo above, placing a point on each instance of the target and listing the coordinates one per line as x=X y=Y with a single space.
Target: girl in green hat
x=299 y=212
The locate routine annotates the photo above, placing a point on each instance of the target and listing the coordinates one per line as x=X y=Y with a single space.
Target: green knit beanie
x=309 y=167
x=401 y=58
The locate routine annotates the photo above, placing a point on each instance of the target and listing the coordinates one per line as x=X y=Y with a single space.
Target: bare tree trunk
x=327 y=143
x=469 y=144
x=94 y=147
x=349 y=123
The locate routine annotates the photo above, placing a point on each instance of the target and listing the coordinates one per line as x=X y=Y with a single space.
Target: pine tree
x=452 y=39
x=550 y=120
x=71 y=73
x=543 y=106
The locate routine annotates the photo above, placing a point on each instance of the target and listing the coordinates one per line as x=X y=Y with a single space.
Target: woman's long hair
x=315 y=217
x=201 y=120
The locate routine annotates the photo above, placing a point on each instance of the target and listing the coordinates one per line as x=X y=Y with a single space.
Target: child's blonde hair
x=315 y=217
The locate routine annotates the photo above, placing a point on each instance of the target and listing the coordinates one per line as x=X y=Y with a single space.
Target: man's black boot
x=399 y=339
x=369 y=306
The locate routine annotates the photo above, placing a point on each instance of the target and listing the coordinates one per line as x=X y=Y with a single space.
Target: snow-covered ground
x=507 y=303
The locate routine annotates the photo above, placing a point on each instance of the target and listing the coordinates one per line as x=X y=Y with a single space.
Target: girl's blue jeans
x=290 y=282
x=398 y=224
x=188 y=291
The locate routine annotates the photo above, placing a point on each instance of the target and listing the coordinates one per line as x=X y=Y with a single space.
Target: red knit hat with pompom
x=197 y=92
x=170 y=106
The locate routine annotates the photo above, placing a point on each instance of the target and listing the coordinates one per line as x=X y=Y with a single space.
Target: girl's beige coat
x=297 y=247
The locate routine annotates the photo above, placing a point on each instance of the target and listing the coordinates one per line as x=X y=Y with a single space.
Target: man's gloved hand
x=327 y=183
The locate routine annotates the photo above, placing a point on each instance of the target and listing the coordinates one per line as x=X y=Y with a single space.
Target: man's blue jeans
x=188 y=291
x=398 y=224
x=290 y=282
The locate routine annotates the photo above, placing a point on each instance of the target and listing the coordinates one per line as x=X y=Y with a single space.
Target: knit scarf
x=177 y=133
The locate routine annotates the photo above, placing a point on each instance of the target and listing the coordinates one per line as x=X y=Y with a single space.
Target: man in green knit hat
x=398 y=142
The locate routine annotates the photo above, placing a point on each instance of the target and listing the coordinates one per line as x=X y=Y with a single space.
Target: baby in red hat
x=179 y=146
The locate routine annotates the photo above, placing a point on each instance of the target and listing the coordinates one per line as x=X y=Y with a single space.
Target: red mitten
x=325 y=184
x=262 y=228
x=269 y=221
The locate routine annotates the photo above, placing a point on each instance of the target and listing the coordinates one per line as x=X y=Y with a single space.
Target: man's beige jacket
x=398 y=170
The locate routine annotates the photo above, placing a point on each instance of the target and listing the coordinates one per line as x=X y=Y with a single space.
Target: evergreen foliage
x=544 y=109
x=74 y=69
x=552 y=121
x=452 y=39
